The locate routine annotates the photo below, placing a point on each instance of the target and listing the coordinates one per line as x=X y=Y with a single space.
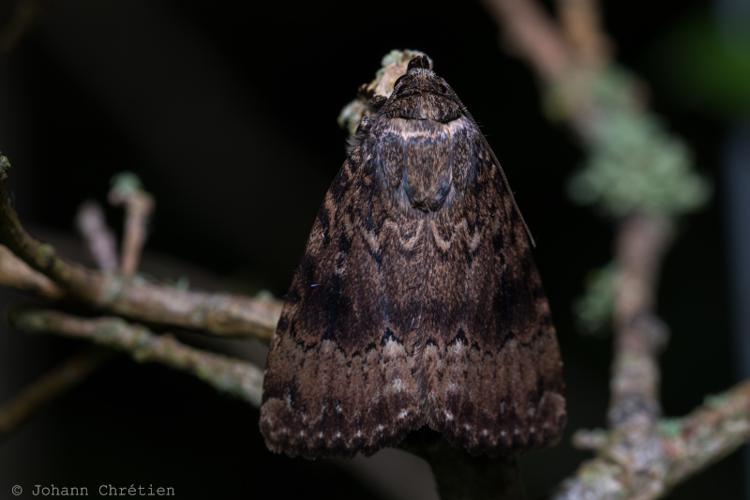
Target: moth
x=417 y=303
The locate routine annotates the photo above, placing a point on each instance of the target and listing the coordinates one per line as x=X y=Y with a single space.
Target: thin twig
x=533 y=36
x=99 y=238
x=22 y=19
x=219 y=314
x=49 y=386
x=460 y=476
x=127 y=192
x=232 y=376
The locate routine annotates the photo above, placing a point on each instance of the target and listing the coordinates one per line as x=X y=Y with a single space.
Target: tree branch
x=127 y=192
x=635 y=459
x=639 y=334
x=708 y=434
x=580 y=20
x=232 y=376
x=15 y=273
x=219 y=314
x=678 y=449
x=460 y=476
x=49 y=386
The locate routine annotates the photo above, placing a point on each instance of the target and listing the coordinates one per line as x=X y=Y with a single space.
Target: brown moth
x=417 y=303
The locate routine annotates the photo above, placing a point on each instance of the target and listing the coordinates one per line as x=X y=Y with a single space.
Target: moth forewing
x=417 y=302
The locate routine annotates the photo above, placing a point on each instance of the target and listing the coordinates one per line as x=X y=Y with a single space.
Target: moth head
x=420 y=94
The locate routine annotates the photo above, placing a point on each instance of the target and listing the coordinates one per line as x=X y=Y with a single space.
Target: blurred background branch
x=48 y=387
x=20 y=22
x=642 y=177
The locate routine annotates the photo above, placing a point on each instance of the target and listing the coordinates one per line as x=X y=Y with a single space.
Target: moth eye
x=443 y=88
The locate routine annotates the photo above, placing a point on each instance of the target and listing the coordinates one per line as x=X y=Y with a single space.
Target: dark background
x=227 y=111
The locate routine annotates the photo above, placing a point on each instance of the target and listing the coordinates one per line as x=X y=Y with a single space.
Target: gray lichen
x=4 y=167
x=634 y=164
x=392 y=66
x=594 y=309
x=125 y=184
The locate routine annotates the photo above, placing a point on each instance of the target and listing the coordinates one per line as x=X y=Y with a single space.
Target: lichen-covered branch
x=677 y=449
x=134 y=297
x=632 y=459
x=639 y=333
x=49 y=386
x=232 y=376
x=708 y=434
x=641 y=175
x=633 y=163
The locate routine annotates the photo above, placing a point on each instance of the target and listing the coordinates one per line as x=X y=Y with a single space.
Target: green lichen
x=21 y=319
x=182 y=283
x=113 y=289
x=594 y=309
x=126 y=183
x=110 y=331
x=351 y=115
x=670 y=427
x=715 y=400
x=393 y=57
x=634 y=165
x=392 y=66
x=396 y=57
x=141 y=346
x=46 y=254
x=4 y=167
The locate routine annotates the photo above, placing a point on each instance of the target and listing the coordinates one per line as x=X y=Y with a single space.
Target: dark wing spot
x=387 y=336
x=460 y=337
